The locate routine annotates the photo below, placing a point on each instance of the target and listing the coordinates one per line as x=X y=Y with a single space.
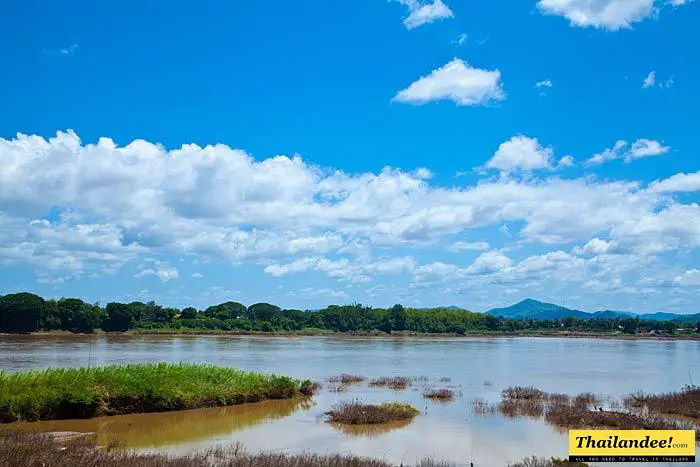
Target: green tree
x=398 y=318
x=263 y=312
x=226 y=310
x=188 y=313
x=120 y=317
x=21 y=312
x=78 y=316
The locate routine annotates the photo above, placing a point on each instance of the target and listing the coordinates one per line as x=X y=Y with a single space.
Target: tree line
x=26 y=312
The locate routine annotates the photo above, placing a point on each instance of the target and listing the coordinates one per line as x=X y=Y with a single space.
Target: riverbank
x=399 y=335
x=24 y=448
x=63 y=393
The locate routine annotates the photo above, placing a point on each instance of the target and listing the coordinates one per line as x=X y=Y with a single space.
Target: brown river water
x=477 y=368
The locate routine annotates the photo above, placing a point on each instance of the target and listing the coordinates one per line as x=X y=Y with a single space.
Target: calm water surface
x=612 y=368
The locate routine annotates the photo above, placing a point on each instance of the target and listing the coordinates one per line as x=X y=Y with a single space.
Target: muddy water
x=478 y=368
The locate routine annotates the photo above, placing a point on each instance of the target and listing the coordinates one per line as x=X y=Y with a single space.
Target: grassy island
x=355 y=413
x=61 y=393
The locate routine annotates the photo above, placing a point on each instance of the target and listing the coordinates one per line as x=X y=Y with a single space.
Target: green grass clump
x=60 y=393
x=356 y=413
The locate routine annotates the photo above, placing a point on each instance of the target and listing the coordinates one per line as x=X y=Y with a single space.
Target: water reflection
x=153 y=430
x=370 y=431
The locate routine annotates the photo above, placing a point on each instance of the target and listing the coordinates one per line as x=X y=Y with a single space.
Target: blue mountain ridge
x=533 y=309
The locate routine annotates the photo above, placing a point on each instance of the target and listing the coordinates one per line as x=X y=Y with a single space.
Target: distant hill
x=610 y=314
x=532 y=309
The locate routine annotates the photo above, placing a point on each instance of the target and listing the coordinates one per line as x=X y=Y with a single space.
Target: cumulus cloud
x=163 y=272
x=521 y=153
x=649 y=80
x=491 y=261
x=543 y=84
x=645 y=148
x=641 y=148
x=595 y=246
x=604 y=14
x=70 y=210
x=421 y=12
x=458 y=82
x=566 y=161
x=690 y=278
x=679 y=183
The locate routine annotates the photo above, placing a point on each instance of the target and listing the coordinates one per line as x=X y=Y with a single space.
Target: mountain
x=671 y=317
x=610 y=314
x=532 y=309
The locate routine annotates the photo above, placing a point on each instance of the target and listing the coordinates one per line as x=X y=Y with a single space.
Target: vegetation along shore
x=58 y=393
x=26 y=448
x=28 y=313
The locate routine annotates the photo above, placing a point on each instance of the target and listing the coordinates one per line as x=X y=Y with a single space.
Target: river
x=477 y=368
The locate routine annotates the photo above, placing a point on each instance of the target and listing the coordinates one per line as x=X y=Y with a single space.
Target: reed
x=24 y=448
x=27 y=448
x=570 y=416
x=60 y=393
x=356 y=413
x=513 y=408
x=346 y=379
x=439 y=394
x=685 y=402
x=397 y=383
x=523 y=393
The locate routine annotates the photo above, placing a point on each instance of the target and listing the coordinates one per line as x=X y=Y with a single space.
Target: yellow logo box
x=626 y=443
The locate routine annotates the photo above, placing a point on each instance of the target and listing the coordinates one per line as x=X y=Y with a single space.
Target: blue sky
x=421 y=152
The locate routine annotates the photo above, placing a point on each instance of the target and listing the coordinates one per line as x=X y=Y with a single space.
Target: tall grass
x=22 y=448
x=356 y=413
x=58 y=393
x=685 y=403
x=397 y=383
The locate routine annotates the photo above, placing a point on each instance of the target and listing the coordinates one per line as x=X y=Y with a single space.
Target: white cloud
x=300 y=265
x=313 y=292
x=162 y=271
x=690 y=278
x=466 y=246
x=595 y=246
x=491 y=261
x=566 y=161
x=543 y=84
x=461 y=39
x=458 y=82
x=650 y=81
x=622 y=150
x=197 y=275
x=604 y=14
x=646 y=148
x=112 y=205
x=421 y=12
x=610 y=154
x=679 y=183
x=521 y=153
x=64 y=51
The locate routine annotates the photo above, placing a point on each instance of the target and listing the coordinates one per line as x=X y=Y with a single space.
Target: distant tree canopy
x=21 y=312
x=26 y=312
